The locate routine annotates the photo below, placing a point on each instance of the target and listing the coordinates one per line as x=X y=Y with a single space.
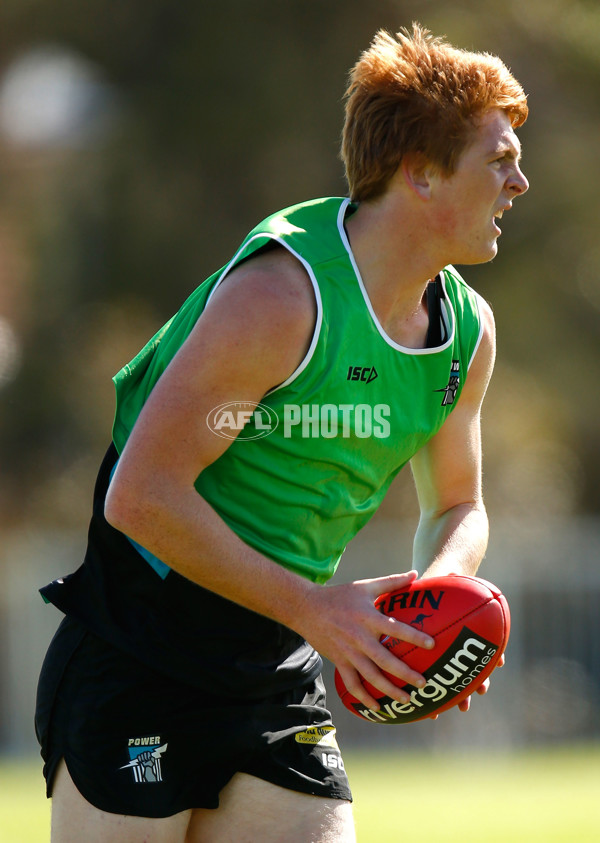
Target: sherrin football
x=470 y=621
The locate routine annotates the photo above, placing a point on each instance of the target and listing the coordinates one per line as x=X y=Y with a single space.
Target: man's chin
x=485 y=256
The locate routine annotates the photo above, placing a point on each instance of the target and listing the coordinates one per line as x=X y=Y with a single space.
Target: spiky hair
x=413 y=92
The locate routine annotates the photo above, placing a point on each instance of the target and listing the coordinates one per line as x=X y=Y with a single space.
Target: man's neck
x=391 y=251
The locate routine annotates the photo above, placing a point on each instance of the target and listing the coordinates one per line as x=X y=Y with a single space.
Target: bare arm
x=453 y=529
x=452 y=534
x=252 y=336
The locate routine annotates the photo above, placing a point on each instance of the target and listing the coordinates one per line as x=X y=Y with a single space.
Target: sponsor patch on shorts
x=318 y=736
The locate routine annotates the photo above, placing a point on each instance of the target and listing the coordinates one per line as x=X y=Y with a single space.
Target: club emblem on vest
x=145 y=755
x=453 y=382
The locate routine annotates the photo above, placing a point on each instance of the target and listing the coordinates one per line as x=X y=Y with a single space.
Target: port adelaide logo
x=145 y=758
x=453 y=382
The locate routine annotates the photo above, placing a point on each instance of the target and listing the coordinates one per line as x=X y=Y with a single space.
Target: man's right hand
x=342 y=624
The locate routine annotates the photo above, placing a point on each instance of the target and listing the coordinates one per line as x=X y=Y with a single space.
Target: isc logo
x=242 y=420
x=330 y=760
x=361 y=373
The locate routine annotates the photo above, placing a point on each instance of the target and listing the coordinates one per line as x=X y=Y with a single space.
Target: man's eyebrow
x=509 y=148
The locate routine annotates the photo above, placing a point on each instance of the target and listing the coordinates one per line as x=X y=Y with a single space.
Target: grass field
x=533 y=797
x=545 y=796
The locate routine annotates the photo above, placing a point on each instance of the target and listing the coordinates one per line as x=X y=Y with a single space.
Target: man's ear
x=417 y=173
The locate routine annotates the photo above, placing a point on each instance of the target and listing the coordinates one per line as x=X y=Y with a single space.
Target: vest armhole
x=480 y=334
x=240 y=256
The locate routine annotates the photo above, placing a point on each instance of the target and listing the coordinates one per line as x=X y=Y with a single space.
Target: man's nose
x=518 y=184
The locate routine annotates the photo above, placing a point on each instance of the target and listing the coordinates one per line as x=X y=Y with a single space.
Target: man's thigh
x=75 y=820
x=252 y=810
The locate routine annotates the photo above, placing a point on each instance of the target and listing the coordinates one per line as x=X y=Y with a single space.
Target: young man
x=181 y=698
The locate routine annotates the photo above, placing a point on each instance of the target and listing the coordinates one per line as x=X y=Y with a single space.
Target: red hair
x=417 y=93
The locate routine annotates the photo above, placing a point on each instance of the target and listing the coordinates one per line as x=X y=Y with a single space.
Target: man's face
x=483 y=186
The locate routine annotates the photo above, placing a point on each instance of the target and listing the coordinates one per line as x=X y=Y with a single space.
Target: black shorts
x=138 y=743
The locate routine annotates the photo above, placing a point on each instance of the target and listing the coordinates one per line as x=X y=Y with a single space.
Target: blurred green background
x=139 y=142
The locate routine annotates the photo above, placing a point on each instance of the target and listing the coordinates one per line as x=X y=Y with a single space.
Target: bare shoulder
x=264 y=314
x=487 y=346
x=482 y=364
x=487 y=316
x=274 y=285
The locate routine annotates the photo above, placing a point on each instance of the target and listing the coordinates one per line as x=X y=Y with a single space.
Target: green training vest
x=314 y=460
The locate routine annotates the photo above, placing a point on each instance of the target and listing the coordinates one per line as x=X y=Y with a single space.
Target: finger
x=392 y=628
x=381 y=585
x=379 y=667
x=354 y=686
x=465 y=705
x=354 y=683
x=484 y=687
x=377 y=660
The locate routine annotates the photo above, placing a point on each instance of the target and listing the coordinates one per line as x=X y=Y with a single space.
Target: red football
x=470 y=621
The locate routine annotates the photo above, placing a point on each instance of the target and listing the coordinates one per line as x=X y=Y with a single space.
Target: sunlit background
x=139 y=142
